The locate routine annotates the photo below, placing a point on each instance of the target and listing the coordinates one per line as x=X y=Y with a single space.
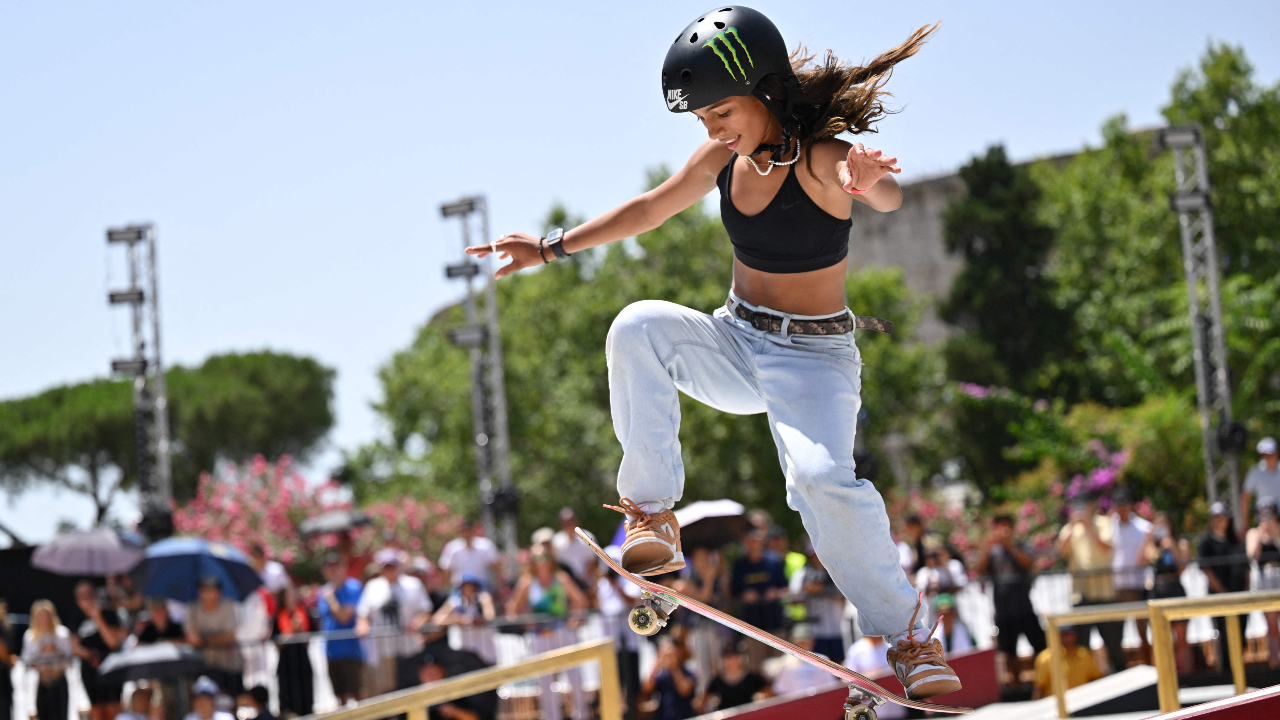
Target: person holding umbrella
x=98 y=636
x=211 y=627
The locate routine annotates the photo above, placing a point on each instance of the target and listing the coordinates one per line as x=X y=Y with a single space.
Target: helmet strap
x=781 y=108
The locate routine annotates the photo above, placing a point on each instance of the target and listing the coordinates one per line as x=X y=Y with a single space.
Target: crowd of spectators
x=392 y=619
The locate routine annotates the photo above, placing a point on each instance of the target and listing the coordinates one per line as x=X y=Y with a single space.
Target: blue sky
x=293 y=154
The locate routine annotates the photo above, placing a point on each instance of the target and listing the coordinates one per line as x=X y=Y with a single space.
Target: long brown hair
x=830 y=97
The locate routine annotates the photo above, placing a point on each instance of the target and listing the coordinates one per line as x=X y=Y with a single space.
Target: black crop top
x=791 y=235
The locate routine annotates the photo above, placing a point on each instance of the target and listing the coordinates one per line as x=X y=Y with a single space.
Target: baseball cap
x=1218 y=508
x=944 y=601
x=1267 y=446
x=204 y=685
x=543 y=535
x=802 y=631
x=387 y=556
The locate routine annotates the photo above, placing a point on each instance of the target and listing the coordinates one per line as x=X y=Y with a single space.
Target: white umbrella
x=711 y=523
x=87 y=552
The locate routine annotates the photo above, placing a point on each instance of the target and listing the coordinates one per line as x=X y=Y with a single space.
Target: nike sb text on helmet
x=725 y=52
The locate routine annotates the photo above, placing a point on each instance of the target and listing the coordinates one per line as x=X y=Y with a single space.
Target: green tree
x=81 y=437
x=1005 y=246
x=554 y=322
x=1118 y=260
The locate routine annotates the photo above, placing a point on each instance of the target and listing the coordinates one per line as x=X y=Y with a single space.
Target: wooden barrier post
x=1235 y=651
x=1057 y=673
x=1166 y=667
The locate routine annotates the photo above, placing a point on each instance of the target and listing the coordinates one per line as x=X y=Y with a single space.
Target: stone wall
x=911 y=237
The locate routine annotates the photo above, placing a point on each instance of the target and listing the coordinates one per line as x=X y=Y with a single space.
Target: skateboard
x=865 y=695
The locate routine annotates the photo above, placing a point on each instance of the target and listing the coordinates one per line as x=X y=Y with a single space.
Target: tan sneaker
x=919 y=664
x=652 y=546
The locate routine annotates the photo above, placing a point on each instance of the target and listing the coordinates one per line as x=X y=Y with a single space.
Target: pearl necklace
x=772 y=163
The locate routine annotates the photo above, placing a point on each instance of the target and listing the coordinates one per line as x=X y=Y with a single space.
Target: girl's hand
x=863 y=168
x=520 y=248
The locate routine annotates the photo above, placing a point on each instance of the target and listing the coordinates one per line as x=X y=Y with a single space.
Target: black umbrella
x=334 y=521
x=159 y=661
x=88 y=552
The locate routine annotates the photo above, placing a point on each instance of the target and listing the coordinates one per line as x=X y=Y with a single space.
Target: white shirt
x=959 y=641
x=274 y=576
x=573 y=552
x=1263 y=483
x=458 y=559
x=906 y=556
x=1126 y=541
x=872 y=660
x=217 y=715
x=797 y=675
x=378 y=604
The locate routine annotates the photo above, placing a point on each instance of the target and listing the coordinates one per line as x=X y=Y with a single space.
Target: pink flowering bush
x=264 y=503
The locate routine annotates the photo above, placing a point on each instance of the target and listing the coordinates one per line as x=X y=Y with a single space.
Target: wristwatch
x=555 y=241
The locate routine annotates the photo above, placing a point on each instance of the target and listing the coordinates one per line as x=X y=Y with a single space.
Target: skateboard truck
x=652 y=616
x=861 y=705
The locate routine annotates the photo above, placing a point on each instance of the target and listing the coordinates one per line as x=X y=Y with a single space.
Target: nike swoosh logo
x=671 y=104
x=784 y=207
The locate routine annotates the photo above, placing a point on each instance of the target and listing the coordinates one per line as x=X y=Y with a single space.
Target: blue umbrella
x=175 y=566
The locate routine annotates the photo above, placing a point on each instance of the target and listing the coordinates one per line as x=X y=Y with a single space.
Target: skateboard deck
x=660 y=601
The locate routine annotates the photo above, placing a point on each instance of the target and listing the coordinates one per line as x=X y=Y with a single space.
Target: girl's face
x=741 y=123
x=43 y=620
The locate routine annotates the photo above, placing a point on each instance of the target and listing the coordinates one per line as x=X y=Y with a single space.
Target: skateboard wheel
x=644 y=621
x=859 y=712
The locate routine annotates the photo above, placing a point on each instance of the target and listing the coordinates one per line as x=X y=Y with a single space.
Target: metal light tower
x=1190 y=200
x=150 y=399
x=488 y=386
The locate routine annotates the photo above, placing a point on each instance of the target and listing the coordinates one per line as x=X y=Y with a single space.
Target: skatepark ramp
x=413 y=702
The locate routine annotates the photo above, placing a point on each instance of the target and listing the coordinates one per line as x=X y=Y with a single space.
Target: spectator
x=1262 y=484
x=911 y=553
x=204 y=701
x=124 y=596
x=99 y=635
x=735 y=685
x=1128 y=533
x=139 y=704
x=356 y=563
x=338 y=599
x=1078 y=663
x=158 y=626
x=437 y=584
x=951 y=632
x=823 y=605
x=868 y=655
x=796 y=675
x=293 y=671
x=46 y=647
x=255 y=704
x=673 y=685
x=779 y=547
x=1222 y=561
x=1007 y=563
x=941 y=573
x=472 y=552
x=6 y=664
x=1167 y=557
x=570 y=550
x=211 y=627
x=471 y=608
x=481 y=706
x=1086 y=543
x=546 y=589
x=758 y=582
x=391 y=611
x=706 y=582
x=1263 y=546
x=273 y=574
x=614 y=599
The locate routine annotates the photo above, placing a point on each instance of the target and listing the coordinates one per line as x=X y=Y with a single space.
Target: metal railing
x=413 y=702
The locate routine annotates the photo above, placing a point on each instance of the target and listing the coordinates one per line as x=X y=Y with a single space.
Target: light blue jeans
x=810 y=387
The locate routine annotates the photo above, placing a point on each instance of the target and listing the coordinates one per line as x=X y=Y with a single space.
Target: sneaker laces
x=915 y=652
x=636 y=516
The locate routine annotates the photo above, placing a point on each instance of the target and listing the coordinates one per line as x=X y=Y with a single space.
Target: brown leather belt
x=838 y=325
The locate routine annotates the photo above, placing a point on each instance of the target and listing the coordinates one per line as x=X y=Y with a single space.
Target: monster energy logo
x=723 y=37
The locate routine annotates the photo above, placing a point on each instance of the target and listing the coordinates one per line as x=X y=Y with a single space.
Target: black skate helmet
x=723 y=53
